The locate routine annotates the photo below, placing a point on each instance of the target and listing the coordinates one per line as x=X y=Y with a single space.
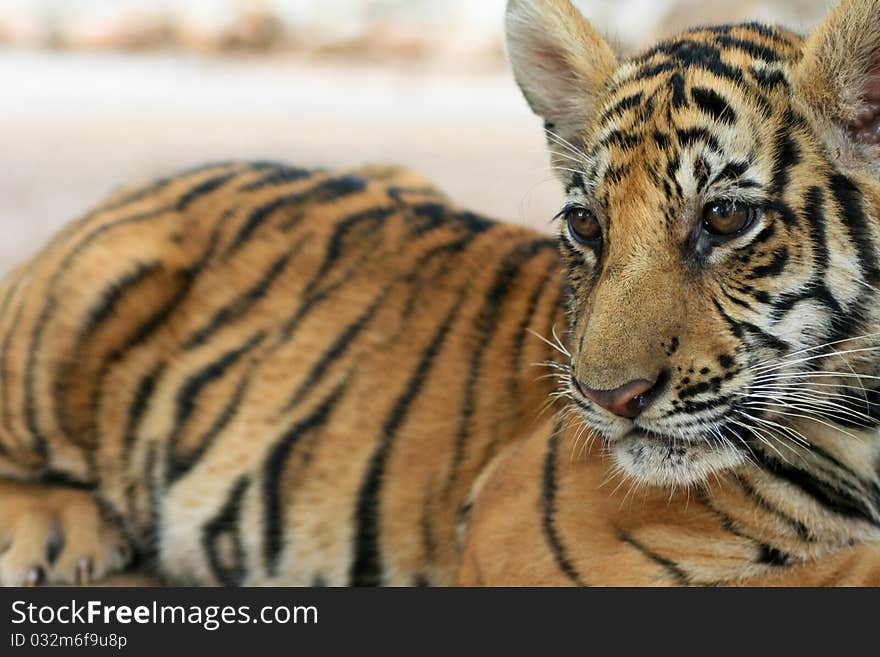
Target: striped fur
x=756 y=458
x=254 y=368
x=256 y=374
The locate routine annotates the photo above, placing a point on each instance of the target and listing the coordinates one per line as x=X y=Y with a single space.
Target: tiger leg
x=51 y=534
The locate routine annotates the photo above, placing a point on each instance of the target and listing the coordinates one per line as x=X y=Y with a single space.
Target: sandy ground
x=73 y=127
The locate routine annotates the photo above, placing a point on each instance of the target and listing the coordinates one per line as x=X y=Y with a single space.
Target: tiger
x=258 y=374
x=719 y=241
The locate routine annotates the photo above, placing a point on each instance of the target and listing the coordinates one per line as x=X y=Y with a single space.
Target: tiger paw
x=54 y=535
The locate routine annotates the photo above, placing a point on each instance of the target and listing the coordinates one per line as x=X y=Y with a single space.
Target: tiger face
x=719 y=233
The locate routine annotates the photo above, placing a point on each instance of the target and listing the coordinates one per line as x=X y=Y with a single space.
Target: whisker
x=812 y=418
x=558 y=347
x=816 y=403
x=828 y=344
x=786 y=362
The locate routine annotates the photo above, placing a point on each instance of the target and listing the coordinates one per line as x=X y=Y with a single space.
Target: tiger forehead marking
x=720 y=220
x=688 y=114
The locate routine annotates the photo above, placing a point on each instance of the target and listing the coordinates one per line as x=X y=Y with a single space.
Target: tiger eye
x=727 y=218
x=583 y=225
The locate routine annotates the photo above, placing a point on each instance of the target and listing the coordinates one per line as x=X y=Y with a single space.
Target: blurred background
x=97 y=93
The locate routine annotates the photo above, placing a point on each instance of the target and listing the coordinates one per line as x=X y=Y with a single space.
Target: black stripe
x=731 y=525
x=849 y=200
x=733 y=171
x=767 y=233
x=672 y=569
x=139 y=406
x=620 y=107
x=425 y=217
x=732 y=323
x=187 y=396
x=548 y=511
x=769 y=79
x=46 y=313
x=368 y=220
x=686 y=54
x=203 y=188
x=814 y=213
x=65 y=480
x=420 y=284
x=151 y=189
x=366 y=568
x=766 y=339
x=752 y=48
x=186 y=279
x=426 y=528
x=691 y=407
x=702 y=172
x=240 y=306
x=227 y=523
x=516 y=376
x=766 y=31
x=799 y=527
x=111 y=295
x=152 y=530
x=314 y=292
x=333 y=353
x=690 y=136
x=624 y=140
x=773 y=268
x=486 y=324
x=274 y=522
x=324 y=192
x=182 y=464
x=679 y=97
x=672 y=166
x=787 y=154
x=713 y=104
x=831 y=496
x=281 y=175
x=773 y=556
x=736 y=300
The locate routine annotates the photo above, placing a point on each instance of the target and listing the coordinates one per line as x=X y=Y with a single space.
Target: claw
x=35 y=576
x=84 y=571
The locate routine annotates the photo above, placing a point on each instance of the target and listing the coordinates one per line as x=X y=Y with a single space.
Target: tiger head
x=720 y=234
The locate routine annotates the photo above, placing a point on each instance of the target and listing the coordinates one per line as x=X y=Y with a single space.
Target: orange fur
x=252 y=366
x=257 y=374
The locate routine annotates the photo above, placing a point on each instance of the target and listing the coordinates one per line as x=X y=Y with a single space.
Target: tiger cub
x=256 y=374
x=720 y=239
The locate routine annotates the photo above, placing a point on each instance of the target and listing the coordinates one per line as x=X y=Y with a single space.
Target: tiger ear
x=560 y=63
x=839 y=74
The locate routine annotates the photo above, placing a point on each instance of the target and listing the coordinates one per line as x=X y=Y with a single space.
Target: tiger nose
x=629 y=400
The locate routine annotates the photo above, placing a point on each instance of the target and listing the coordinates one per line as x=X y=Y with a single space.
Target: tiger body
x=257 y=304
x=265 y=375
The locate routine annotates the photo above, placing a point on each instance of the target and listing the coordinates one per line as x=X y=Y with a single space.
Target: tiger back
x=254 y=368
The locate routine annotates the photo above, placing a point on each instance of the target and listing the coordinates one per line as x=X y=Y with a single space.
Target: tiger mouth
x=659 y=439
x=656 y=437
x=665 y=460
